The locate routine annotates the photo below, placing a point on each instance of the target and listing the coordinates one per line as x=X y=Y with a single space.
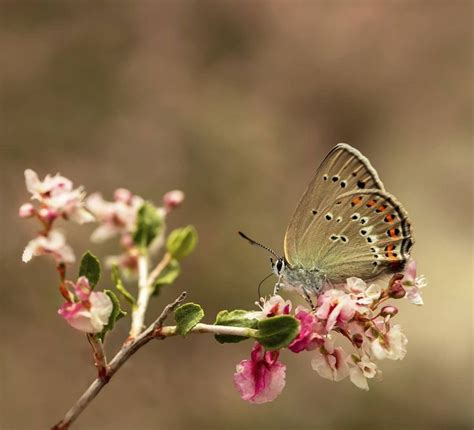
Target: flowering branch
x=353 y=310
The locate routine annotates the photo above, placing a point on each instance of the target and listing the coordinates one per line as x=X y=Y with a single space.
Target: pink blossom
x=330 y=362
x=173 y=199
x=57 y=197
x=361 y=368
x=311 y=334
x=336 y=307
x=413 y=284
x=391 y=344
x=363 y=295
x=53 y=244
x=116 y=217
x=275 y=305
x=92 y=310
x=262 y=378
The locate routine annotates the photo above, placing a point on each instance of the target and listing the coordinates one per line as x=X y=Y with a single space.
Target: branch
x=144 y=293
x=122 y=356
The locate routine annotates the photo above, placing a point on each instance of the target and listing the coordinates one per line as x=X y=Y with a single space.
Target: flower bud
x=123 y=195
x=172 y=199
x=48 y=214
x=396 y=291
x=26 y=210
x=389 y=311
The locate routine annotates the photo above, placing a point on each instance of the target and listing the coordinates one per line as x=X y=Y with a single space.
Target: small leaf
x=235 y=318
x=148 y=225
x=90 y=268
x=117 y=313
x=187 y=316
x=277 y=332
x=117 y=280
x=167 y=276
x=182 y=241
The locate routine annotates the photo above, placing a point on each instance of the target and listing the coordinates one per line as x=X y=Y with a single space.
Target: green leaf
x=90 y=268
x=277 y=332
x=117 y=280
x=117 y=313
x=235 y=318
x=167 y=276
x=149 y=223
x=187 y=316
x=182 y=241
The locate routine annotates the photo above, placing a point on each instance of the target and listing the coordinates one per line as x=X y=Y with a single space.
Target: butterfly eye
x=279 y=265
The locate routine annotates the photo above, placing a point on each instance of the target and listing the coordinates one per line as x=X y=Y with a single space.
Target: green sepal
x=117 y=280
x=182 y=241
x=149 y=223
x=235 y=318
x=167 y=276
x=90 y=268
x=187 y=316
x=277 y=332
x=117 y=313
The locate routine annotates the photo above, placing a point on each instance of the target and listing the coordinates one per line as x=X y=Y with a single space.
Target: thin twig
x=159 y=268
x=120 y=358
x=100 y=359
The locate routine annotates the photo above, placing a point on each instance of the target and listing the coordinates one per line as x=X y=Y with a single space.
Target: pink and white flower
x=336 y=308
x=53 y=244
x=91 y=312
x=57 y=197
x=413 y=284
x=364 y=295
x=361 y=369
x=391 y=345
x=330 y=362
x=271 y=307
x=262 y=378
x=117 y=217
x=312 y=332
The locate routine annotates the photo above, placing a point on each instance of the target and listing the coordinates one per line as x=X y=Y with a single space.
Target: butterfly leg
x=308 y=299
x=276 y=289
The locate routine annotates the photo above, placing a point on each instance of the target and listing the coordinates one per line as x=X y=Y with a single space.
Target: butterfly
x=345 y=225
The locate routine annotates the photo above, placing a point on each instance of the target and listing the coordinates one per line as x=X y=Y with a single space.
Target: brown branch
x=153 y=331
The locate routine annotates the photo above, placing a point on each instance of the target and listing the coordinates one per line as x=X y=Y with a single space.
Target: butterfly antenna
x=253 y=242
x=261 y=283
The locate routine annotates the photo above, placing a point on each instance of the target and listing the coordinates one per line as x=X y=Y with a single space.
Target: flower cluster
x=119 y=218
x=56 y=198
x=354 y=311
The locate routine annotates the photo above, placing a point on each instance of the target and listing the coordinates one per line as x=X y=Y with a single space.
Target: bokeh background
x=236 y=103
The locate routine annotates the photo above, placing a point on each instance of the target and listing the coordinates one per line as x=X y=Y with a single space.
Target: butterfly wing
x=343 y=169
x=363 y=233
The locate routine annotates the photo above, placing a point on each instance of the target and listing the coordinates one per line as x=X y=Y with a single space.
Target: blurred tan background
x=236 y=103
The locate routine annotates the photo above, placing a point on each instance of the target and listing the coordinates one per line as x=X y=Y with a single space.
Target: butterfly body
x=300 y=279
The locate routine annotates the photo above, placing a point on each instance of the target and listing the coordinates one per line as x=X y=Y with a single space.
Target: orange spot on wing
x=371 y=203
x=393 y=233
